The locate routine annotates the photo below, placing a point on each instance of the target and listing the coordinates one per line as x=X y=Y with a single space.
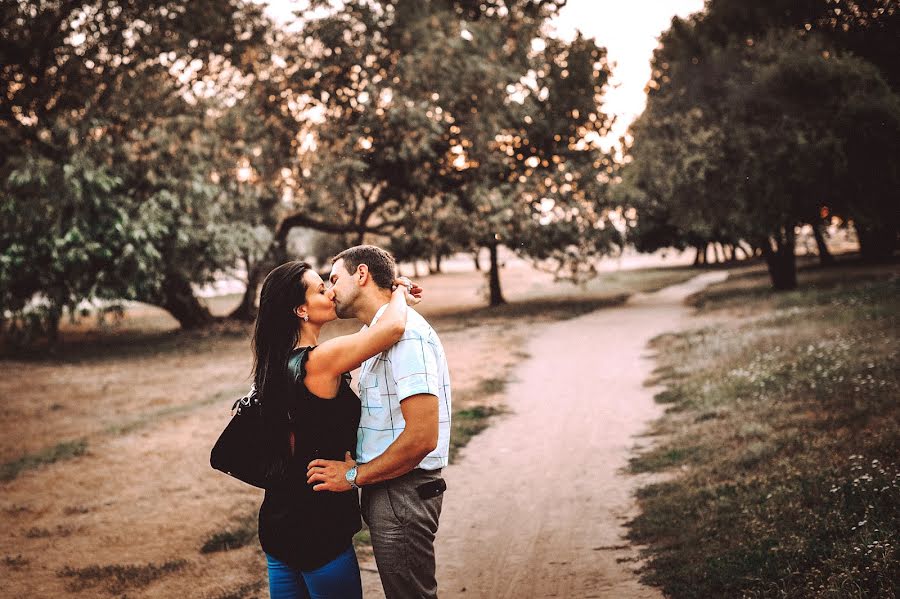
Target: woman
x=310 y=411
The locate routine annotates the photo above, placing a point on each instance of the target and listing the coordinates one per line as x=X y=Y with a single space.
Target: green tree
x=867 y=29
x=448 y=111
x=868 y=193
x=529 y=171
x=679 y=180
x=747 y=140
x=437 y=229
x=106 y=139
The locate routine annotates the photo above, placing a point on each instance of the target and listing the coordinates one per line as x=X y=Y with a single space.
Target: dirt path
x=536 y=506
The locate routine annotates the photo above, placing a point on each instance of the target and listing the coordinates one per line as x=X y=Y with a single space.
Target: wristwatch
x=351 y=477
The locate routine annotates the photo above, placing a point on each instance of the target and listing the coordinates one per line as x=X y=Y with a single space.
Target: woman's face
x=319 y=300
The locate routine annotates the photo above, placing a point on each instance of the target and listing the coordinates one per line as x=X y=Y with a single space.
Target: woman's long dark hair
x=274 y=338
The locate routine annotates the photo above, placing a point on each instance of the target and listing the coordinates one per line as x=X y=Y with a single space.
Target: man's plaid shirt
x=415 y=364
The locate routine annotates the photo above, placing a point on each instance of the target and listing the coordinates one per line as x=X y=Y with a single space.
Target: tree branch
x=299 y=219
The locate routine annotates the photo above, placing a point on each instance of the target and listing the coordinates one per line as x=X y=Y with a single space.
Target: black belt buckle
x=431 y=489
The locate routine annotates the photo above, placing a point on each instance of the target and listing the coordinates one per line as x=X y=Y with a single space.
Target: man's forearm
x=416 y=441
x=401 y=456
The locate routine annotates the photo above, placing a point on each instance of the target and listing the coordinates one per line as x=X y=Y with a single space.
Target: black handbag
x=242 y=450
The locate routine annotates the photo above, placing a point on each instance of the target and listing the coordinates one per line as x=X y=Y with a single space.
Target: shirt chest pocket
x=369 y=391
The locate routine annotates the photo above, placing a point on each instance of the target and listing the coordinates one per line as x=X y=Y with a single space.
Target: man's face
x=345 y=290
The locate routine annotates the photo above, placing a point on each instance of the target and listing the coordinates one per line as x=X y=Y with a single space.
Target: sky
x=627 y=28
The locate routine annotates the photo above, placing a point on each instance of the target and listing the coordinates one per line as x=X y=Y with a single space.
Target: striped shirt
x=415 y=364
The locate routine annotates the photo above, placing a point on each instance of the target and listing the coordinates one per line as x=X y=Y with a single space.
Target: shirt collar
x=378 y=314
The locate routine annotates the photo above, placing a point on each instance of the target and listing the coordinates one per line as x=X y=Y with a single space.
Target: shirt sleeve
x=414 y=365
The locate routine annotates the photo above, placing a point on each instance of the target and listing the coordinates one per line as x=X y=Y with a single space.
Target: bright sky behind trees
x=628 y=29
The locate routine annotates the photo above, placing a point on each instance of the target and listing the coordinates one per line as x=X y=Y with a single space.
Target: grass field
x=780 y=443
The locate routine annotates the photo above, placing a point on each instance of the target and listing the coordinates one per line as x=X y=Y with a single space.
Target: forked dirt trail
x=537 y=503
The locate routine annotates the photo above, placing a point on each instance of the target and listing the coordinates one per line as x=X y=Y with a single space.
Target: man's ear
x=362 y=274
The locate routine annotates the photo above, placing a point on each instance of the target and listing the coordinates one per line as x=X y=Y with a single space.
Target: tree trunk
x=876 y=244
x=494 y=277
x=825 y=257
x=437 y=263
x=246 y=310
x=276 y=254
x=700 y=258
x=717 y=250
x=477 y=261
x=179 y=300
x=729 y=252
x=54 y=317
x=781 y=261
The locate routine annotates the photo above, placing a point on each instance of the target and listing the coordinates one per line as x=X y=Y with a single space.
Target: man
x=404 y=432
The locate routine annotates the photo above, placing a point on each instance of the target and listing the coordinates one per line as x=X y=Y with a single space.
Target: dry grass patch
x=240 y=534
x=62 y=451
x=16 y=562
x=250 y=590
x=118 y=578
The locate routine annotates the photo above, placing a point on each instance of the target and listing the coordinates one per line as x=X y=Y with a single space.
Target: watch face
x=351 y=474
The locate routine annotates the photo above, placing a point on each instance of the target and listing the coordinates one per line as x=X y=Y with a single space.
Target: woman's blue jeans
x=338 y=579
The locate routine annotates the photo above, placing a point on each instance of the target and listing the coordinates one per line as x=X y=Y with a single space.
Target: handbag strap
x=251 y=399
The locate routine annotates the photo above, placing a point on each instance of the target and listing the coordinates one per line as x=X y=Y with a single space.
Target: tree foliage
x=106 y=150
x=147 y=147
x=753 y=128
x=460 y=112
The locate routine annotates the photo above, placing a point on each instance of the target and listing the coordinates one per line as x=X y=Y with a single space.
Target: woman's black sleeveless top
x=303 y=528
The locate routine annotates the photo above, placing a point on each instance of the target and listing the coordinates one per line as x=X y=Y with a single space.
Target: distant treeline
x=763 y=116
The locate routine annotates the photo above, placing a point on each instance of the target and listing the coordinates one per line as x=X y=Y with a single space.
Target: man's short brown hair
x=382 y=266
